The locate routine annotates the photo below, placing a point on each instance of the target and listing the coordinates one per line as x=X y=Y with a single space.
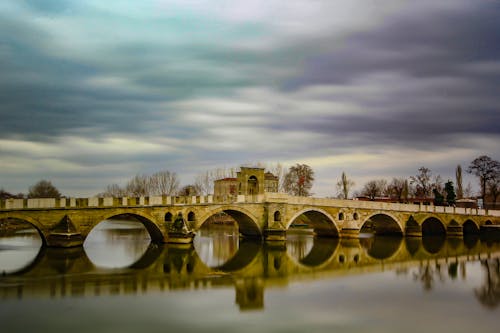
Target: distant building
x=248 y=181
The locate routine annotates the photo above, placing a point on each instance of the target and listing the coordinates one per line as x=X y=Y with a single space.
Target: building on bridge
x=248 y=181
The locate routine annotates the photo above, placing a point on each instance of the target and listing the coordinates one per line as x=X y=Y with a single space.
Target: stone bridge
x=66 y=222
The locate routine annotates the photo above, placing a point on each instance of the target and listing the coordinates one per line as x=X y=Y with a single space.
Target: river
x=120 y=282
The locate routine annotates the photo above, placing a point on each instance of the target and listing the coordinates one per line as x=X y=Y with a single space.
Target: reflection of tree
x=426 y=274
x=489 y=294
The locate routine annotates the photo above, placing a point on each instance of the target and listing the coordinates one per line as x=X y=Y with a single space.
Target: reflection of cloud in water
x=19 y=250
x=299 y=245
x=216 y=245
x=116 y=243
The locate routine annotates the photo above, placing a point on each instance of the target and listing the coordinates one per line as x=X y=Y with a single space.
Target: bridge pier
x=64 y=234
x=275 y=235
x=349 y=233
x=455 y=231
x=349 y=229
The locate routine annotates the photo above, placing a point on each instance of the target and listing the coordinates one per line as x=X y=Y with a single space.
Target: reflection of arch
x=433 y=243
x=247 y=252
x=32 y=264
x=247 y=224
x=28 y=220
x=322 y=222
x=470 y=227
x=149 y=257
x=381 y=247
x=168 y=217
x=383 y=224
x=191 y=217
x=433 y=226
x=321 y=252
x=153 y=230
x=471 y=240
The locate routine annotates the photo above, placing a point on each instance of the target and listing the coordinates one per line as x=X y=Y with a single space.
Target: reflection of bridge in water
x=58 y=273
x=67 y=222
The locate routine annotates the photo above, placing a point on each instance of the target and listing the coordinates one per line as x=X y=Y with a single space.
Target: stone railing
x=41 y=203
x=93 y=202
x=375 y=205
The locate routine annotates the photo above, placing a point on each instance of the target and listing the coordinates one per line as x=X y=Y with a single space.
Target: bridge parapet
x=270 y=198
x=44 y=203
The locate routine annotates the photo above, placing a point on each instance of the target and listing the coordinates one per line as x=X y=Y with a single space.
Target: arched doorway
x=253 y=185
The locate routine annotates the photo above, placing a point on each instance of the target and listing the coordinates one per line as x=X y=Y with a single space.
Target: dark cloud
x=219 y=91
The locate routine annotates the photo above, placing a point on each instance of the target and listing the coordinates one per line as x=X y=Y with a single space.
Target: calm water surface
x=120 y=282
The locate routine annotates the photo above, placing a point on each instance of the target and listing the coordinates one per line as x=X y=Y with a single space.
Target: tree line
x=298 y=180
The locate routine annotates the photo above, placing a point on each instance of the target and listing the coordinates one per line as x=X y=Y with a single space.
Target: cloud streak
x=191 y=85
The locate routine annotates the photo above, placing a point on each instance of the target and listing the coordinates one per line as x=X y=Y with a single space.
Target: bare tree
x=113 y=190
x=43 y=189
x=486 y=169
x=205 y=181
x=163 y=183
x=279 y=171
x=159 y=183
x=422 y=182
x=299 y=179
x=374 y=188
x=189 y=190
x=468 y=192
x=397 y=188
x=494 y=191
x=137 y=186
x=344 y=186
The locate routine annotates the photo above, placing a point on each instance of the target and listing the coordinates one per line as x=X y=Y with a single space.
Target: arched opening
x=470 y=228
x=313 y=222
x=381 y=225
x=355 y=216
x=121 y=240
x=191 y=217
x=253 y=185
x=168 y=217
x=432 y=227
x=341 y=216
x=277 y=216
x=488 y=222
x=218 y=242
x=21 y=245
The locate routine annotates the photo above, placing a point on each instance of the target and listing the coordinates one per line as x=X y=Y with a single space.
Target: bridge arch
x=470 y=227
x=147 y=221
x=382 y=223
x=323 y=223
x=37 y=225
x=432 y=226
x=247 y=224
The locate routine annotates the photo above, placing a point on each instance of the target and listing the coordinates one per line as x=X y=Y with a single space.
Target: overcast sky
x=94 y=92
